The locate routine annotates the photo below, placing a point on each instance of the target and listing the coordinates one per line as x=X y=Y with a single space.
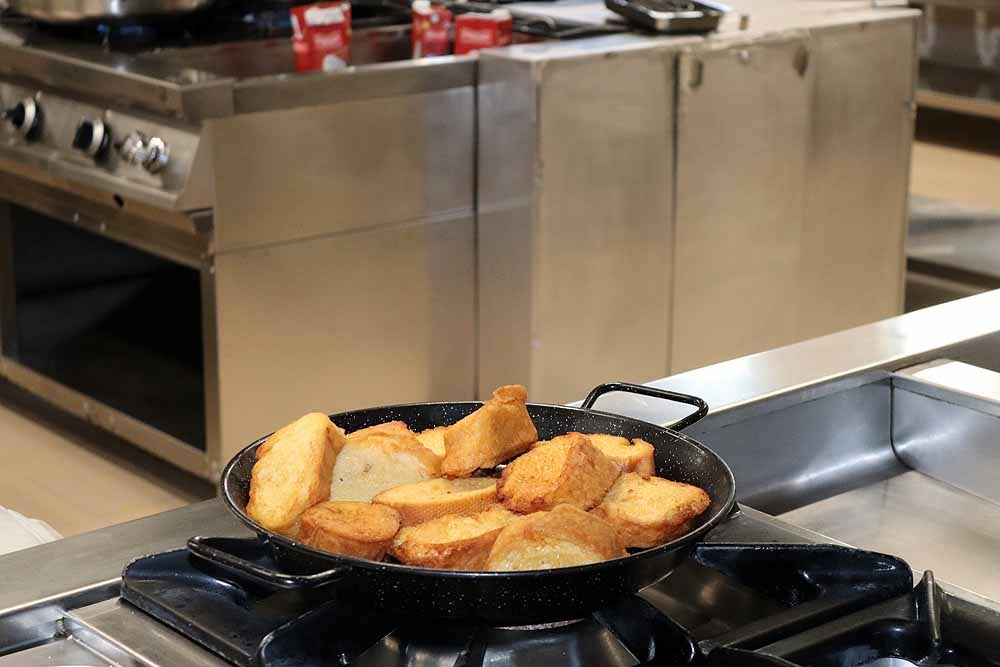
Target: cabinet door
x=742 y=138
x=858 y=179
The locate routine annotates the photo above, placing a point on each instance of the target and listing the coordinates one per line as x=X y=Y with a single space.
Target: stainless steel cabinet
x=791 y=189
x=742 y=161
x=575 y=200
x=666 y=204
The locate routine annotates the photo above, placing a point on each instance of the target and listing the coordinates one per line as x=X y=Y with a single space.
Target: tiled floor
x=77 y=479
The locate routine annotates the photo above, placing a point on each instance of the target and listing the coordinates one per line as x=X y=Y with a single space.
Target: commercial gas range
x=198 y=242
x=133 y=252
x=734 y=603
x=881 y=437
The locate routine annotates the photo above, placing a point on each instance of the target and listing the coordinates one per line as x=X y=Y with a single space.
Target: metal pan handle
x=209 y=549
x=628 y=387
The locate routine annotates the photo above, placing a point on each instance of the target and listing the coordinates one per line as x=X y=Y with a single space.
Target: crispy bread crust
x=433 y=439
x=396 y=427
x=293 y=471
x=567 y=469
x=422 y=501
x=649 y=512
x=452 y=542
x=497 y=431
x=350 y=528
x=637 y=456
x=562 y=537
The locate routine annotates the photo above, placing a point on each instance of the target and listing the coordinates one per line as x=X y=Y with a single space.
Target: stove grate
x=251 y=625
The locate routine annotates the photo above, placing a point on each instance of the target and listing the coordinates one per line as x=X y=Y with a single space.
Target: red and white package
x=476 y=30
x=321 y=36
x=431 y=29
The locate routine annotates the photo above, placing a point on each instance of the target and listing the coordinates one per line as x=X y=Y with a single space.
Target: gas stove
x=734 y=604
x=754 y=594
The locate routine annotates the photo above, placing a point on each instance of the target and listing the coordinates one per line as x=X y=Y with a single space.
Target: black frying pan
x=499 y=598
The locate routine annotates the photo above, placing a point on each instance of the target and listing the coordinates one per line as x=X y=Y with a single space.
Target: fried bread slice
x=380 y=459
x=452 y=542
x=422 y=501
x=396 y=427
x=293 y=472
x=497 y=431
x=567 y=469
x=648 y=512
x=362 y=530
x=635 y=456
x=563 y=537
x=433 y=439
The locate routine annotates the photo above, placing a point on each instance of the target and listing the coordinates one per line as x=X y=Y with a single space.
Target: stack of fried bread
x=428 y=499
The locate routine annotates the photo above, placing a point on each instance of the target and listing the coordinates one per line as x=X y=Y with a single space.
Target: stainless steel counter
x=966 y=328
x=94 y=560
x=932 y=524
x=952 y=251
x=196 y=84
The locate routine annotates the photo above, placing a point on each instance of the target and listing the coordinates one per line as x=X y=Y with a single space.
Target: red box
x=321 y=36
x=475 y=30
x=431 y=32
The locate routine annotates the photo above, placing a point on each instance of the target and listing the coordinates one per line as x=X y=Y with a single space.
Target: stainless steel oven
x=193 y=249
x=109 y=315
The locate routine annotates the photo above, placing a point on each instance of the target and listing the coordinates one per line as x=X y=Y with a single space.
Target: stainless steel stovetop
x=757 y=589
x=95 y=627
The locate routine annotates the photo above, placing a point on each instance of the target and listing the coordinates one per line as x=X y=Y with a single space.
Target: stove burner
x=248 y=624
x=921 y=628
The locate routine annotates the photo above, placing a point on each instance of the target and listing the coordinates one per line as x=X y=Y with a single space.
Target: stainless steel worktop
x=196 y=84
x=949 y=239
x=899 y=515
x=967 y=324
x=952 y=251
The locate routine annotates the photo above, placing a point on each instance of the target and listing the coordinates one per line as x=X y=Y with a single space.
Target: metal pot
x=72 y=11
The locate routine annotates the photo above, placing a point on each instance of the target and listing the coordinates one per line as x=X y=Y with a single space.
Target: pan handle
x=628 y=387
x=208 y=548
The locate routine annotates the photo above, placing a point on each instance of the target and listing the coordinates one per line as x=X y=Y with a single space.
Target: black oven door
x=102 y=329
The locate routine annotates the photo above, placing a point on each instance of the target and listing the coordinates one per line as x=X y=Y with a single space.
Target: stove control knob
x=151 y=152
x=25 y=117
x=93 y=138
